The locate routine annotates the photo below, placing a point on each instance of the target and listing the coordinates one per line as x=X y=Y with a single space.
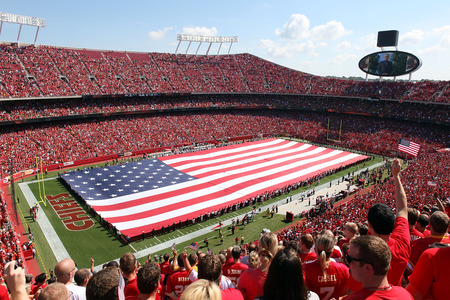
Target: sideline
x=50 y=234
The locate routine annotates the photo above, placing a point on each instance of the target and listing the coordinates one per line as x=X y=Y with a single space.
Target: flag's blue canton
x=120 y=180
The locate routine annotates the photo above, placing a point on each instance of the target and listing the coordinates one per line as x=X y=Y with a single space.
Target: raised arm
x=400 y=196
x=15 y=278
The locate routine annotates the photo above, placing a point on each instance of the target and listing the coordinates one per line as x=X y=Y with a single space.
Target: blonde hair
x=202 y=290
x=265 y=258
x=269 y=241
x=351 y=227
x=253 y=259
x=324 y=248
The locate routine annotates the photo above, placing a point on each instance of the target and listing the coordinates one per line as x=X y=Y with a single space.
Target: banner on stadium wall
x=28 y=172
x=68 y=163
x=6 y=180
x=18 y=175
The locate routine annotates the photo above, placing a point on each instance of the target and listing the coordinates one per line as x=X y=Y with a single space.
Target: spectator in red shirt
x=39 y=283
x=422 y=223
x=350 y=232
x=323 y=276
x=439 y=222
x=413 y=216
x=430 y=279
x=234 y=270
x=252 y=280
x=393 y=228
x=306 y=244
x=369 y=257
x=165 y=266
x=179 y=280
x=148 y=278
x=210 y=268
x=128 y=267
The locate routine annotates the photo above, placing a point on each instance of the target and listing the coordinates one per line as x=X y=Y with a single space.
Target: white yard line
x=50 y=234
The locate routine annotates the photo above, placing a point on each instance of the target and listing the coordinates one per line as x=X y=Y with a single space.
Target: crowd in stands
x=44 y=71
x=339 y=259
x=68 y=141
x=430 y=166
x=9 y=240
x=33 y=109
x=49 y=71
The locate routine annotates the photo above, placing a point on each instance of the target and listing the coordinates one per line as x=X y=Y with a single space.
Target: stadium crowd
x=34 y=109
x=366 y=261
x=333 y=237
x=46 y=71
x=60 y=142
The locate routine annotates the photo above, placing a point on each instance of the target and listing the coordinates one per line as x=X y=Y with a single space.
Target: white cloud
x=200 y=31
x=295 y=29
x=444 y=33
x=159 y=34
x=444 y=42
x=286 y=51
x=309 y=48
x=437 y=49
x=369 y=42
x=330 y=31
x=276 y=50
x=343 y=58
x=343 y=45
x=444 y=30
x=413 y=37
x=321 y=45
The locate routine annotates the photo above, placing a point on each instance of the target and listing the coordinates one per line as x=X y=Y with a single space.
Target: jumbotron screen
x=389 y=63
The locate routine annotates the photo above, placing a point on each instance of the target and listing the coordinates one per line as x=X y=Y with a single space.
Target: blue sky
x=318 y=37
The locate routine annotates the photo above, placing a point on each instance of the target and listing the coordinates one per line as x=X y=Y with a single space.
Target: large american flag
x=409 y=147
x=149 y=194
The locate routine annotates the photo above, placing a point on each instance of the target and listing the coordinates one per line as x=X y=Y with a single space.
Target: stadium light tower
x=22 y=20
x=207 y=39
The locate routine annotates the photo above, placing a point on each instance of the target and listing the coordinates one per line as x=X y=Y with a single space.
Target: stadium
x=248 y=137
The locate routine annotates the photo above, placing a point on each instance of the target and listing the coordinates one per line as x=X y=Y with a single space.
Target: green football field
x=102 y=245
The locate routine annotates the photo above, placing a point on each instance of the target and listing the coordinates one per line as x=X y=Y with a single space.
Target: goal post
x=40 y=180
x=330 y=136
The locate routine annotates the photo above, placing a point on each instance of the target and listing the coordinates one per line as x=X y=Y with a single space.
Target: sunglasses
x=349 y=259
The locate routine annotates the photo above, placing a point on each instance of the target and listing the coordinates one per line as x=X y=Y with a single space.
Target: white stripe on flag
x=225 y=176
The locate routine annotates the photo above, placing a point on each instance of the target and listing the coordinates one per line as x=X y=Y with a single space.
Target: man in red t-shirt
x=439 y=222
x=413 y=216
x=350 y=231
x=39 y=283
x=178 y=281
x=393 y=229
x=306 y=244
x=234 y=270
x=430 y=279
x=128 y=267
x=148 y=278
x=369 y=260
x=210 y=268
x=165 y=266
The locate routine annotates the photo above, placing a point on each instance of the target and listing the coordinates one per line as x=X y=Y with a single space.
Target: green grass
x=103 y=246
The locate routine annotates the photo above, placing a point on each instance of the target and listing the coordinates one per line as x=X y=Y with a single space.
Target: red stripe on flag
x=226 y=176
x=409 y=147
